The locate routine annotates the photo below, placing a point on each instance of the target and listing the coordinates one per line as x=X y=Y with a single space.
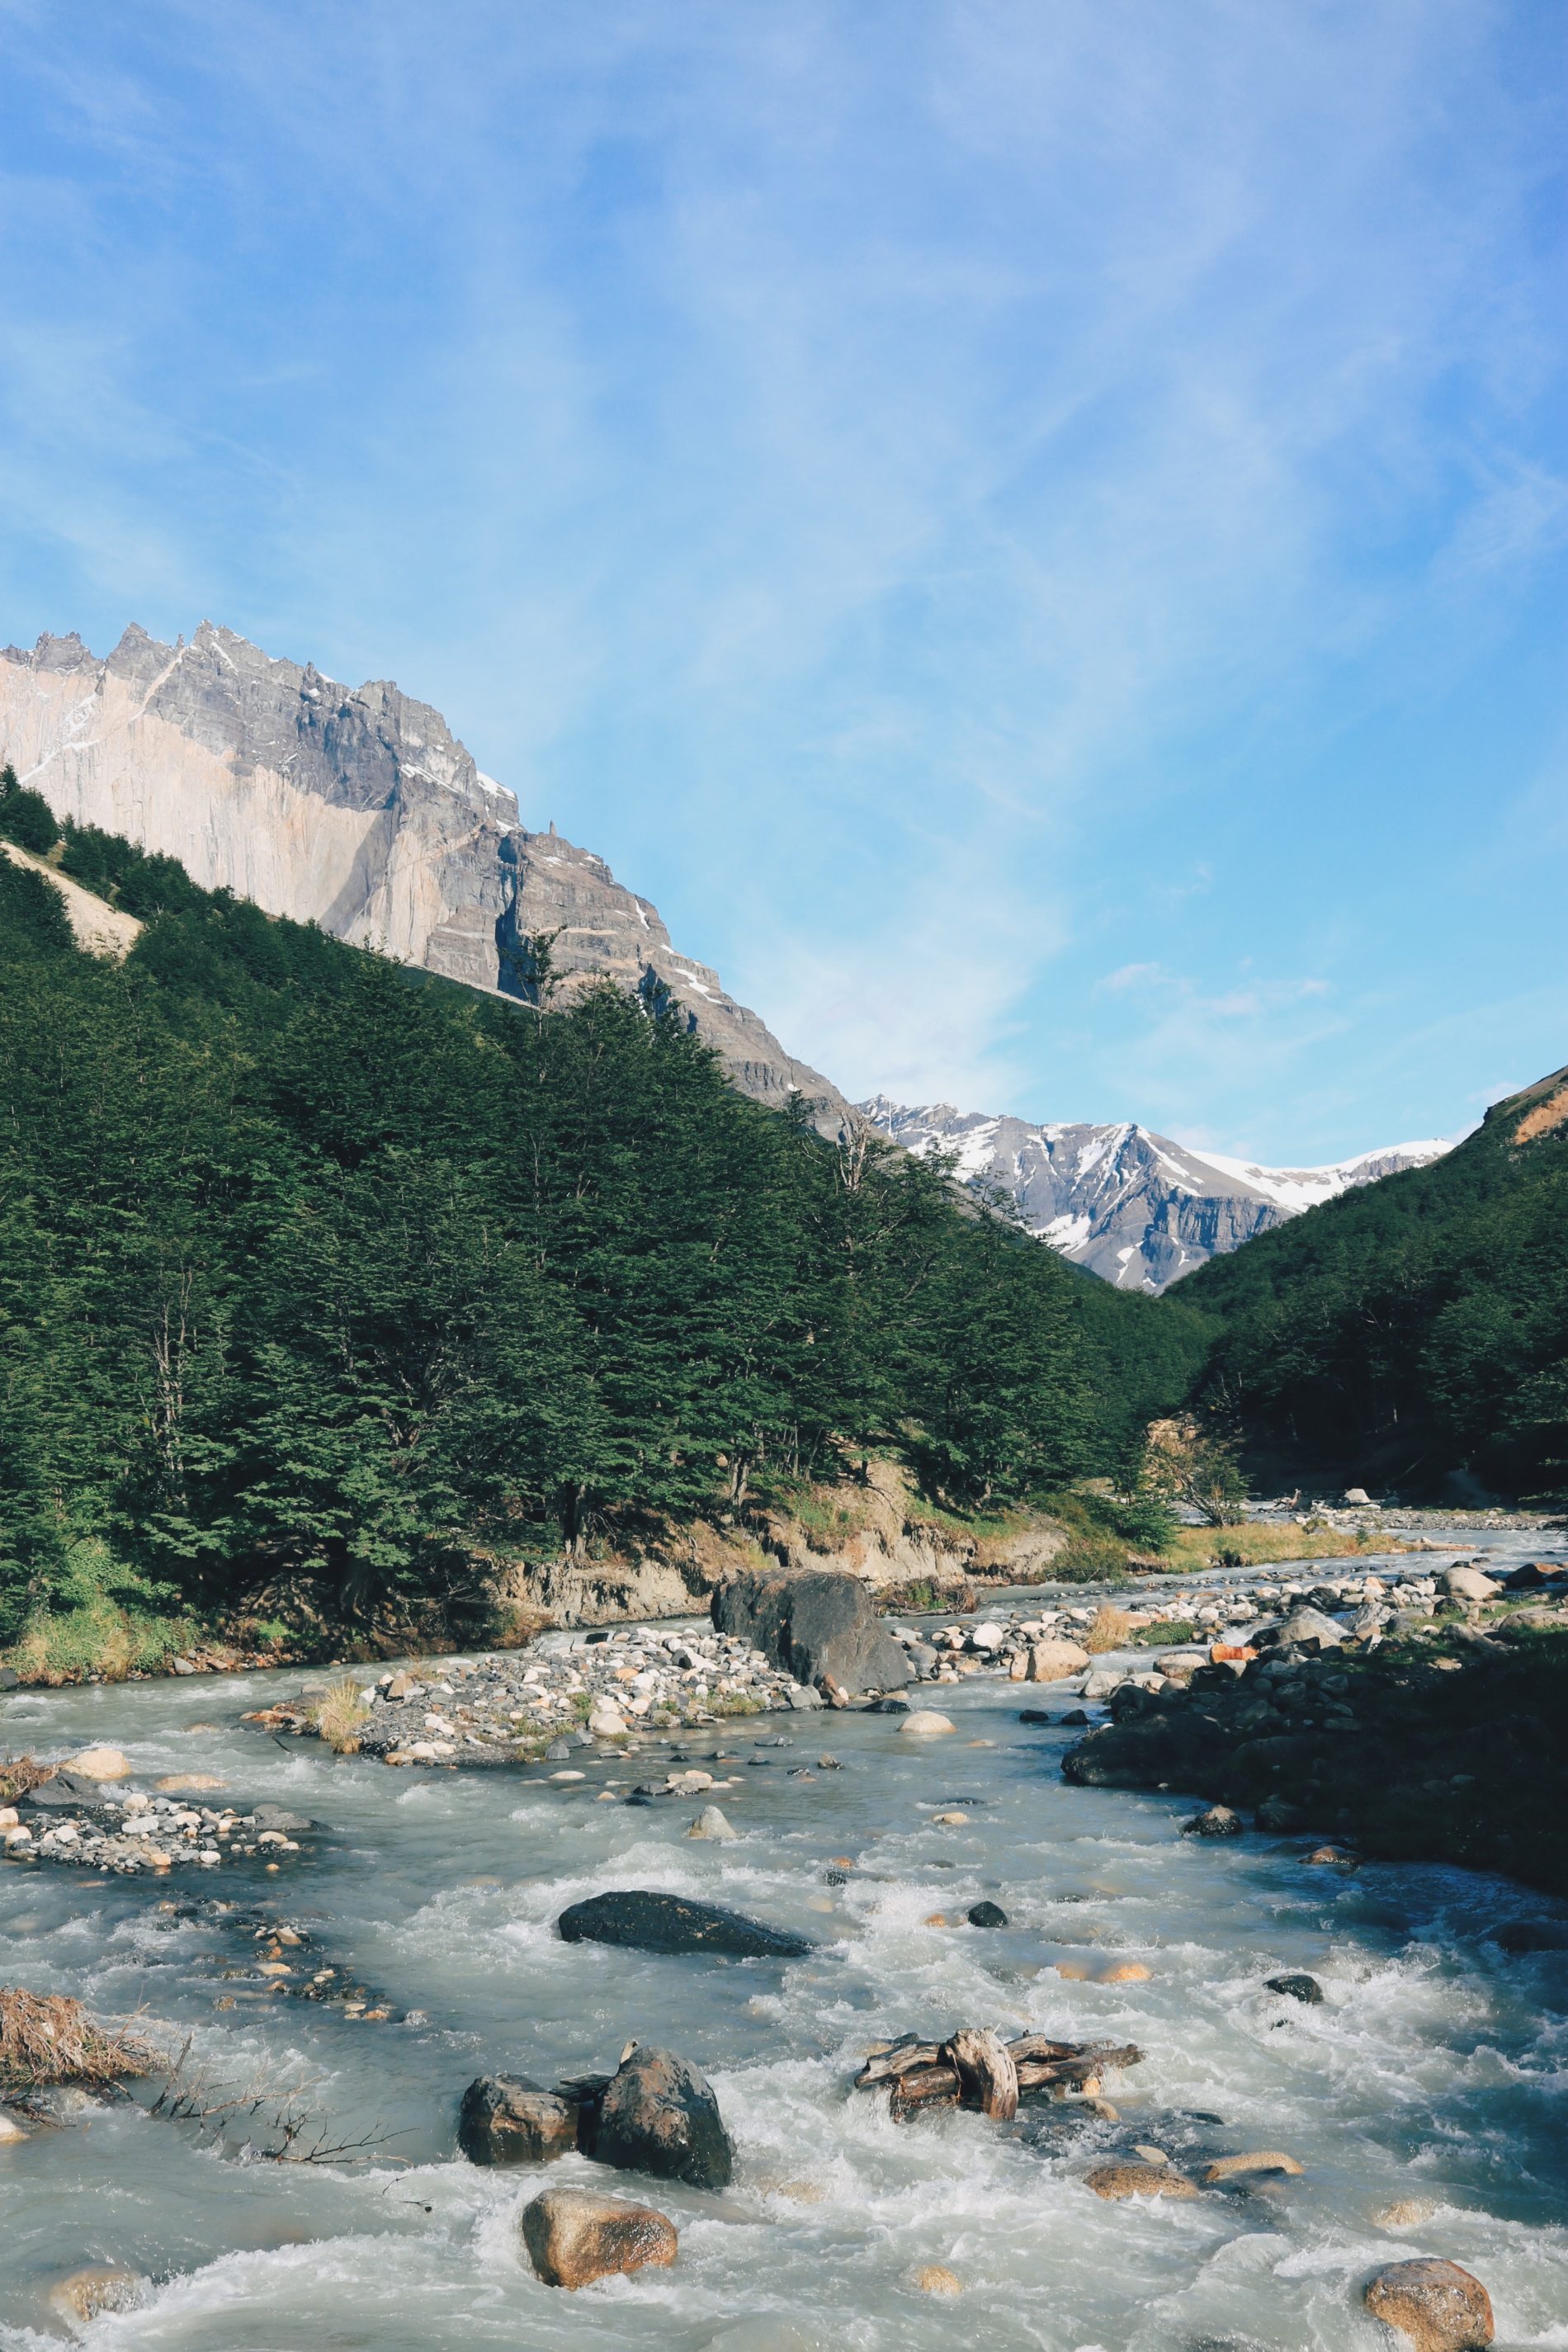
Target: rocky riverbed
x=576 y=1690
x=1418 y=2095
x=569 y=1691
x=1433 y=1730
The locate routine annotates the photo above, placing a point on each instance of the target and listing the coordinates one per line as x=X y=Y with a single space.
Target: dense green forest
x=313 y=1265
x=1412 y=1329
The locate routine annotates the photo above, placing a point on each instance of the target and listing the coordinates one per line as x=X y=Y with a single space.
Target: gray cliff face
x=1129 y=1204
x=358 y=809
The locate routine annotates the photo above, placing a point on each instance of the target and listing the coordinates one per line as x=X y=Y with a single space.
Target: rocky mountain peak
x=356 y=808
x=1129 y=1204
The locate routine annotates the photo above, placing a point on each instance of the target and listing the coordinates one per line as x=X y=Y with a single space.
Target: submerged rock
x=935 y=2278
x=1437 y=2305
x=1257 y=2159
x=1115 y=2181
x=926 y=1723
x=658 y=2115
x=575 y=2235
x=653 y=1922
x=1297 y=1988
x=86 y=2294
x=1220 y=1821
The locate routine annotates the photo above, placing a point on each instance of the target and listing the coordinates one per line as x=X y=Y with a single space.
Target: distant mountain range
x=358 y=809
x=1126 y=1203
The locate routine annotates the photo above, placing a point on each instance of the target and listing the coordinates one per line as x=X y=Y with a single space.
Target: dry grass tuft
x=46 y=2039
x=1109 y=1629
x=339 y=1717
x=20 y=1773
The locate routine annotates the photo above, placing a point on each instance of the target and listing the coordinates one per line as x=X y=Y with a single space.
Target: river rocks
x=1405 y=2212
x=573 y=2236
x=1052 y=1662
x=1220 y=1821
x=935 y=2278
x=1438 y=2306
x=1297 y=1988
x=658 y=2115
x=652 y=1922
x=925 y=1723
x=72 y=1817
x=506 y=2119
x=1261 y=2160
x=1114 y=2181
x=987 y=1915
x=1531 y=1936
x=65 y=1789
x=1469 y=1584
x=101 y=1764
x=818 y=1624
x=87 y=2294
x=10 y=2130
x=1310 y=1630
x=567 y=1691
x=710 y=1823
x=1415 y=1749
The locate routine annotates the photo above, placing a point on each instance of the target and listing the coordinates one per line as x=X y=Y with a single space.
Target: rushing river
x=1435 y=2070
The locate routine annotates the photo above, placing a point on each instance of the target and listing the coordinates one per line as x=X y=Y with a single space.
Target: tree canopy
x=1412 y=1329
x=310 y=1264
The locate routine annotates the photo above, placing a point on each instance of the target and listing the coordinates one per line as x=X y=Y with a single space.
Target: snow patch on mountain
x=1131 y=1205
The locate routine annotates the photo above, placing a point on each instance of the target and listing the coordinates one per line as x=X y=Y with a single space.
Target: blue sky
x=1034 y=529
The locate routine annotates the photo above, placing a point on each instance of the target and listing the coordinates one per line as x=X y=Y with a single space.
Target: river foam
x=1433 y=2069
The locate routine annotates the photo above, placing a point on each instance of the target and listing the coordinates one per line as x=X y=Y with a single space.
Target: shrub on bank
x=101 y=1618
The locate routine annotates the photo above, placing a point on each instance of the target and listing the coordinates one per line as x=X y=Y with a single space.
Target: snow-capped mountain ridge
x=1130 y=1204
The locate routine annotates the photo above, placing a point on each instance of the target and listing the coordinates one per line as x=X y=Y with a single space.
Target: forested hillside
x=1412 y=1329
x=310 y=1264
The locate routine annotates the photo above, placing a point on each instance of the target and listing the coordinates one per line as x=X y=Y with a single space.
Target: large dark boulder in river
x=658 y=2115
x=818 y=1624
x=506 y=2119
x=651 y=1922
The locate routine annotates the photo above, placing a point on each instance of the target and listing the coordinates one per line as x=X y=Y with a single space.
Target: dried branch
x=289 y=2132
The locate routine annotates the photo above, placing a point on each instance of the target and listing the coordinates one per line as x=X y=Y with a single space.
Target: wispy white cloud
x=890 y=478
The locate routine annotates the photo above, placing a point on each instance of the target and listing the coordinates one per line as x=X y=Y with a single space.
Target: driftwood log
x=974 y=2068
x=987 y=2078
